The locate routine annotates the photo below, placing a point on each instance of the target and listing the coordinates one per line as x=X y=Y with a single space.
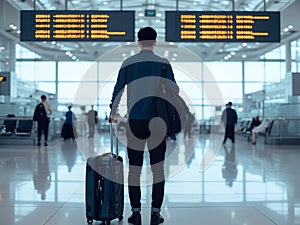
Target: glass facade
x=207 y=84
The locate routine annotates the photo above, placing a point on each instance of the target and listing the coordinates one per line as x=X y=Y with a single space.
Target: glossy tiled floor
x=207 y=184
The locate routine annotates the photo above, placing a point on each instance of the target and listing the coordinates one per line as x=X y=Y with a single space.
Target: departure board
x=213 y=26
x=77 y=26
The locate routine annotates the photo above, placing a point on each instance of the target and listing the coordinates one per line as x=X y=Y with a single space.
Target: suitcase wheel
x=89 y=221
x=106 y=222
x=120 y=218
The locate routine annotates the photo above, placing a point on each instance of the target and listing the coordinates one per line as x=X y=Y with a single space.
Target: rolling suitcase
x=105 y=186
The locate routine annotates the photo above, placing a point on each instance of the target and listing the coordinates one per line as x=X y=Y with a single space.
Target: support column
x=56 y=84
x=12 y=56
x=2 y=14
x=243 y=87
x=202 y=89
x=288 y=57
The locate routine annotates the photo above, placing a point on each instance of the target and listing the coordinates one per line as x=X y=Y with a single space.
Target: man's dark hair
x=147 y=36
x=230 y=103
x=43 y=97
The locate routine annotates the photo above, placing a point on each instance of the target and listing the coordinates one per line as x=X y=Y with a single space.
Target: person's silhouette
x=42 y=176
x=69 y=151
x=229 y=168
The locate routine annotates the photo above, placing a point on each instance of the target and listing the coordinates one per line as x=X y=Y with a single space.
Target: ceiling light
x=141 y=20
x=53 y=42
x=290 y=27
x=158 y=14
x=286 y=29
x=244 y=44
x=141 y=14
x=171 y=43
x=18 y=32
x=157 y=21
x=195 y=3
x=2 y=48
x=12 y=26
x=244 y=56
x=175 y=55
x=74 y=57
x=229 y=56
x=173 y=59
x=221 y=50
x=105 y=3
x=232 y=53
x=226 y=58
x=128 y=43
x=123 y=54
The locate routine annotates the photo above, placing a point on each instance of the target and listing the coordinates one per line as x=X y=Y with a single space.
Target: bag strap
x=164 y=68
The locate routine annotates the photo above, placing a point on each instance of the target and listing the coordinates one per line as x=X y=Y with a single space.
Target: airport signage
x=222 y=26
x=72 y=25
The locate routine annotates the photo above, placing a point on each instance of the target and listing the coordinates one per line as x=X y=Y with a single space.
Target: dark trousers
x=43 y=126
x=229 y=133
x=91 y=129
x=135 y=150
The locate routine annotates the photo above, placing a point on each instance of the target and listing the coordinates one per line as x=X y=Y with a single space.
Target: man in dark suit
x=141 y=74
x=229 y=118
x=41 y=115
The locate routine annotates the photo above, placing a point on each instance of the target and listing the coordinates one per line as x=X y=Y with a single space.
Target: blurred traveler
x=229 y=118
x=260 y=129
x=69 y=130
x=92 y=119
x=41 y=115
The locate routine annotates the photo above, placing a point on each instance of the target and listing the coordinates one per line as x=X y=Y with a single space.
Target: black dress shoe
x=135 y=218
x=156 y=219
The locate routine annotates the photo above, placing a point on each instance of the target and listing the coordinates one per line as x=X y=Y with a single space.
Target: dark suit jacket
x=141 y=92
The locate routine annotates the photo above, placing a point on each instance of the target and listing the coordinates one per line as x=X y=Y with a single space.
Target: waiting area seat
x=283 y=131
x=16 y=130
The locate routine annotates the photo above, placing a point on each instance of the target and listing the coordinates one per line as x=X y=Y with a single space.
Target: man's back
x=141 y=73
x=231 y=116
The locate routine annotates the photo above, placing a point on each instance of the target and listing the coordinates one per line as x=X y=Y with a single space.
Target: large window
x=24 y=53
x=208 y=85
x=77 y=71
x=223 y=71
x=35 y=71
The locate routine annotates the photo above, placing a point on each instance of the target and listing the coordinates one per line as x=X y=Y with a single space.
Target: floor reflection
x=36 y=183
x=41 y=175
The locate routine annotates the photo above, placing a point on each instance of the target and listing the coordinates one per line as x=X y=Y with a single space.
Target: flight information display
x=214 y=26
x=77 y=25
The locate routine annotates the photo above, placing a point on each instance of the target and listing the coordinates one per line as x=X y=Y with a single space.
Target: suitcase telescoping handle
x=111 y=131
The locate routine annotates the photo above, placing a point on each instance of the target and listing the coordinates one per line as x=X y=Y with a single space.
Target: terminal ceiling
x=178 y=51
